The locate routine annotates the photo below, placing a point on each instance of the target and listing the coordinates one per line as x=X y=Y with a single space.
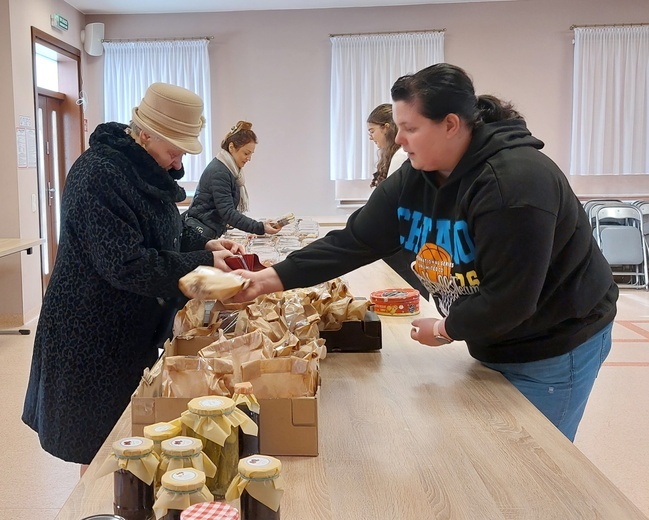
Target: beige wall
x=273 y=69
x=20 y=281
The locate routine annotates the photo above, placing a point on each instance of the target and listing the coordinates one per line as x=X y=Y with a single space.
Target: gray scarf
x=226 y=158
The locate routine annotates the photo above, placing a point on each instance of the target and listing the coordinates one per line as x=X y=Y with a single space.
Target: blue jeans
x=559 y=387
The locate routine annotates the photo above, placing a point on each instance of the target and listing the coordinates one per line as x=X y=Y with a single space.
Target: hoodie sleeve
x=371 y=233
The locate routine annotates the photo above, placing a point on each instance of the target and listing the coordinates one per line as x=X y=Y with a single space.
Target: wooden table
x=9 y=246
x=416 y=433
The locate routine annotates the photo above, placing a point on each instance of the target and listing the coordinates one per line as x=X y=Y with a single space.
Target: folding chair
x=619 y=232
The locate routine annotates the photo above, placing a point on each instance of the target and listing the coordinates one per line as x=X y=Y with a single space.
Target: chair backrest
x=621 y=214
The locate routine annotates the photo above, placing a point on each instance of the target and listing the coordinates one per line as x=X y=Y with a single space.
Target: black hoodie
x=504 y=246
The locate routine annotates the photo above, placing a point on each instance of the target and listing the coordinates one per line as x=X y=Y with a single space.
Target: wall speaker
x=92 y=37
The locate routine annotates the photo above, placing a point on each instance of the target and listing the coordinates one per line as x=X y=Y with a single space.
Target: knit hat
x=174 y=114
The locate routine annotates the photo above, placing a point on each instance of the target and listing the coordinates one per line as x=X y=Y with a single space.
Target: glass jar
x=259 y=486
x=215 y=421
x=161 y=431
x=180 y=489
x=133 y=464
x=210 y=511
x=185 y=452
x=246 y=401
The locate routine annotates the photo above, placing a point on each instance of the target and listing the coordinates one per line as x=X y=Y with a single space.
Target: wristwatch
x=438 y=335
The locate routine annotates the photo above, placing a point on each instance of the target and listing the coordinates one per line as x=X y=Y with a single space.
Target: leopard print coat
x=113 y=290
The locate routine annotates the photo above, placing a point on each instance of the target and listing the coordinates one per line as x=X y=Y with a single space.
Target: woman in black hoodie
x=502 y=243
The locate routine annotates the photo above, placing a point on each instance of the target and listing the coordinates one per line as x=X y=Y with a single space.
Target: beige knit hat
x=174 y=114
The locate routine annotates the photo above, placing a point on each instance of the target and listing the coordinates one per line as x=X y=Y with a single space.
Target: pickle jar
x=180 y=489
x=259 y=488
x=215 y=421
x=246 y=401
x=133 y=464
x=184 y=452
x=162 y=431
x=210 y=511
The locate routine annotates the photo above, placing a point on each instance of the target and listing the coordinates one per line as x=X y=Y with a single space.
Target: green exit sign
x=59 y=22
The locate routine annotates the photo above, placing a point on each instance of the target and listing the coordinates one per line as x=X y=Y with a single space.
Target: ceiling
x=211 y=6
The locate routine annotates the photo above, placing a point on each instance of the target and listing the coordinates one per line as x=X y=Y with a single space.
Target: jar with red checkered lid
x=210 y=511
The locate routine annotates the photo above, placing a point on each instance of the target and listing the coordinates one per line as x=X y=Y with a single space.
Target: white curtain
x=130 y=67
x=610 y=114
x=363 y=70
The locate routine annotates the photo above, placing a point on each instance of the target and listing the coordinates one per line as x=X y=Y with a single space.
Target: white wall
x=273 y=68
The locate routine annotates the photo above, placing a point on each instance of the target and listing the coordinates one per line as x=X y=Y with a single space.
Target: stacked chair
x=618 y=228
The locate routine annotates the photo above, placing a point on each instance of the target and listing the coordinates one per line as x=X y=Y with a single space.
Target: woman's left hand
x=423 y=332
x=220 y=244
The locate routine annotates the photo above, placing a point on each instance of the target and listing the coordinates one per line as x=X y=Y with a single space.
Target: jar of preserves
x=161 y=431
x=246 y=401
x=179 y=489
x=259 y=487
x=215 y=420
x=185 y=452
x=210 y=511
x=133 y=464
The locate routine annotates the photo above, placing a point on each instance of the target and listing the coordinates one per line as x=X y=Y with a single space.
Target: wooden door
x=51 y=173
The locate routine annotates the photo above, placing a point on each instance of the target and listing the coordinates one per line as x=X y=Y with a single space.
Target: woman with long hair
x=382 y=131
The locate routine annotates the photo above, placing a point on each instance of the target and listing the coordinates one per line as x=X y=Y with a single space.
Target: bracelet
x=438 y=335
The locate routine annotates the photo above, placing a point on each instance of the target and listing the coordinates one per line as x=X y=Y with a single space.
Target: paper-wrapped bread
x=209 y=283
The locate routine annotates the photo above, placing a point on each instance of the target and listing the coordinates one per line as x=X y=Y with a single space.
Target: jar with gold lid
x=215 y=420
x=179 y=489
x=259 y=487
x=161 y=431
x=133 y=464
x=246 y=401
x=185 y=452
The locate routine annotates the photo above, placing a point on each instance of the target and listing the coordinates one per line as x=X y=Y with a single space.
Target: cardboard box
x=355 y=336
x=287 y=426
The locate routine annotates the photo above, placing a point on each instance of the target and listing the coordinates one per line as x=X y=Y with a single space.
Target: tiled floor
x=614 y=433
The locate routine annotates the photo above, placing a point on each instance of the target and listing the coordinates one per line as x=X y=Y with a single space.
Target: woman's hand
x=219 y=259
x=261 y=282
x=221 y=244
x=423 y=331
x=271 y=227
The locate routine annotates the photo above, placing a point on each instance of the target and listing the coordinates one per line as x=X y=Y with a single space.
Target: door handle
x=50 y=193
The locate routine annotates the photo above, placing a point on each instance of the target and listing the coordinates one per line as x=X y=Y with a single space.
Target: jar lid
x=184 y=479
x=391 y=295
x=210 y=511
x=211 y=405
x=161 y=431
x=133 y=447
x=181 y=446
x=259 y=466
x=244 y=388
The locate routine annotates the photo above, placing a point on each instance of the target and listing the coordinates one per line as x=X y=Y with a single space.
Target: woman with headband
x=221 y=197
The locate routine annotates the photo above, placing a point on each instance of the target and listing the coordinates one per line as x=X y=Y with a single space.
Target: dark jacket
x=116 y=270
x=505 y=245
x=216 y=199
